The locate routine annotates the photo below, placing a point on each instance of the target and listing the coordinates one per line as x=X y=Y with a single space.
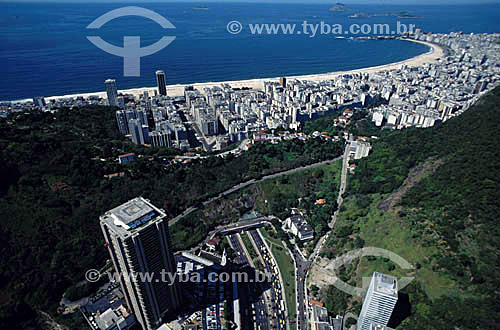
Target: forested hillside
x=444 y=218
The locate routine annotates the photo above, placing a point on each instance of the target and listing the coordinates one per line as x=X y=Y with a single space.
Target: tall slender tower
x=379 y=302
x=283 y=82
x=138 y=241
x=162 y=85
x=112 y=92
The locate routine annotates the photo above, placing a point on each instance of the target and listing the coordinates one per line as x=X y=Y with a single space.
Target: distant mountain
x=340 y=7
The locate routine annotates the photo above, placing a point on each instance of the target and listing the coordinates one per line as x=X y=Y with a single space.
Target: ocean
x=45 y=51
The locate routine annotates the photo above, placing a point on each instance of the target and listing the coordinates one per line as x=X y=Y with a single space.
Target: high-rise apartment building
x=375 y=326
x=283 y=82
x=130 y=114
x=138 y=241
x=162 y=82
x=139 y=132
x=379 y=302
x=134 y=122
x=112 y=92
x=121 y=120
x=160 y=138
x=39 y=101
x=141 y=115
x=147 y=101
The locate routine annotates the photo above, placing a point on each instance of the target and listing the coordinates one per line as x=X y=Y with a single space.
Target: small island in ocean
x=340 y=7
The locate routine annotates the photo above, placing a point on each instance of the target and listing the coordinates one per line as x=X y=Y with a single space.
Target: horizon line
x=304 y=2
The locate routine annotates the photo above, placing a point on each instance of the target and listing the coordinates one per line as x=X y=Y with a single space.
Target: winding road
x=249 y=183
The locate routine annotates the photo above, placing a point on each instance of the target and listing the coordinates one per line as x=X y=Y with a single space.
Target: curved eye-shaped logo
x=131 y=50
x=366 y=252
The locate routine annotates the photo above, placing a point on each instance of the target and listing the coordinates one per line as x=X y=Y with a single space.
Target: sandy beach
x=434 y=54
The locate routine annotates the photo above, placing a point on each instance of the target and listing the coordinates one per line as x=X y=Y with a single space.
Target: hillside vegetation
x=432 y=196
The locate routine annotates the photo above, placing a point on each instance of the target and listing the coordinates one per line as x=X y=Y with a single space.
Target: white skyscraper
x=375 y=326
x=138 y=241
x=112 y=92
x=379 y=302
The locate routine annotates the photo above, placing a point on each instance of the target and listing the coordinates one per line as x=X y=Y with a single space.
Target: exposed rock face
x=340 y=7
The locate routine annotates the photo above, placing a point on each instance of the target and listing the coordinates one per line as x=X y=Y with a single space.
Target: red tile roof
x=126 y=155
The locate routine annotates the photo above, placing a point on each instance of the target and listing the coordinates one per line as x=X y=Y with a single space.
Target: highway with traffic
x=279 y=315
x=252 y=311
x=302 y=267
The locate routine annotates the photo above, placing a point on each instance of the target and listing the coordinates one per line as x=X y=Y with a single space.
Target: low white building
x=378 y=118
x=359 y=149
x=299 y=227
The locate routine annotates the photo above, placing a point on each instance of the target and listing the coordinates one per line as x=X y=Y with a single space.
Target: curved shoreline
x=434 y=54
